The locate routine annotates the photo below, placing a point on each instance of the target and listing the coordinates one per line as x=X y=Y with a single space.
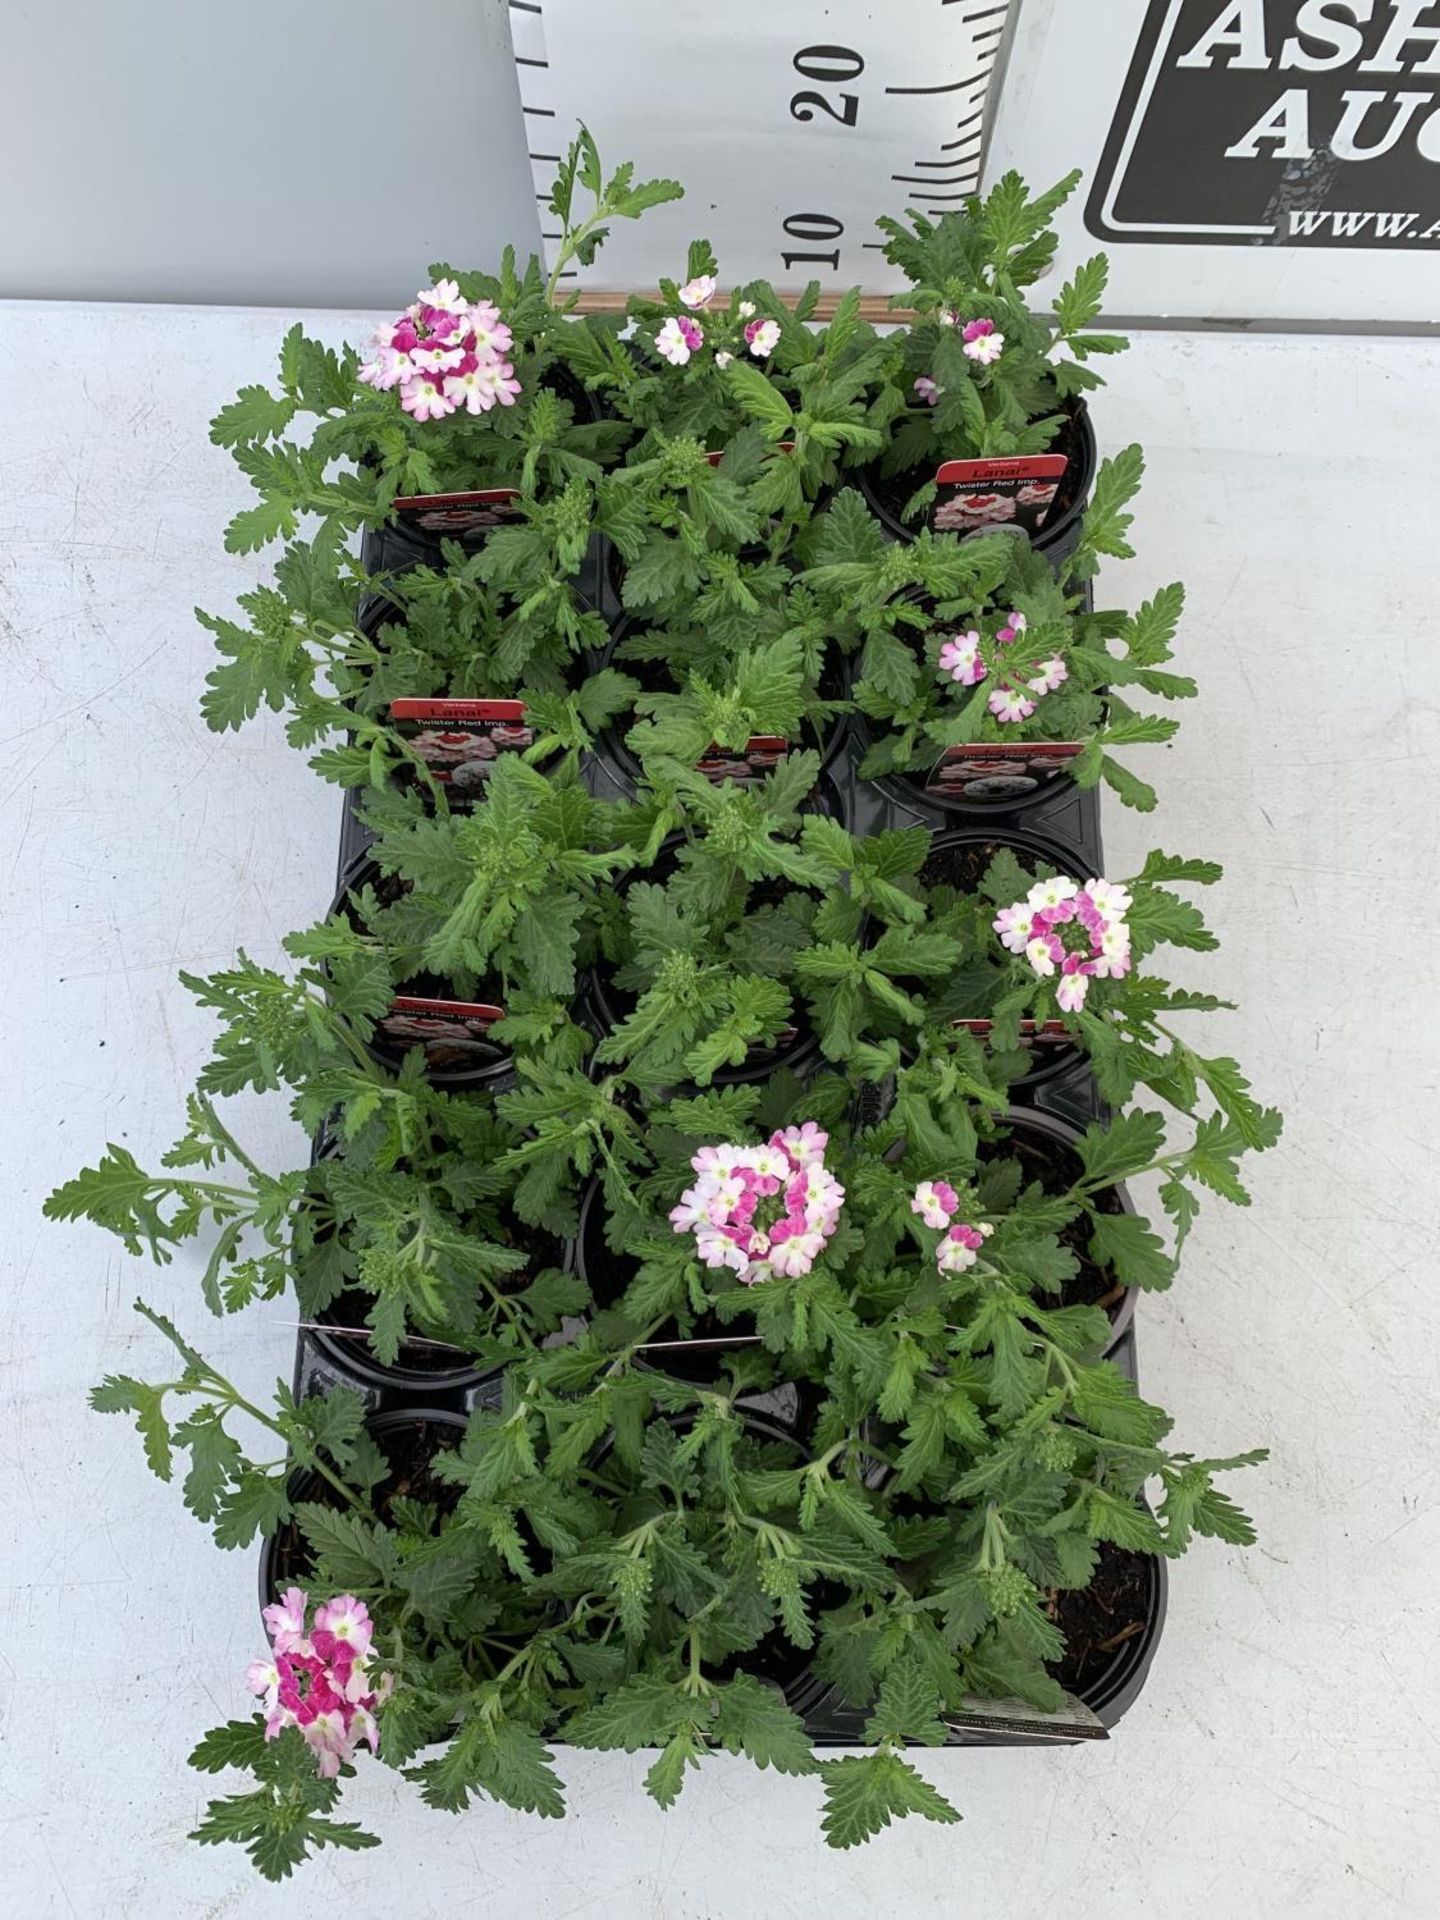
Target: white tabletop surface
x=1285 y=1757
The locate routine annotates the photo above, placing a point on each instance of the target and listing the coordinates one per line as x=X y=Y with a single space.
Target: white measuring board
x=792 y=125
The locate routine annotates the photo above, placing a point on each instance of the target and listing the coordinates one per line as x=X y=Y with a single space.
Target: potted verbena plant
x=983 y=677
x=715 y=1254
x=976 y=378
x=617 y=1556
x=468 y=391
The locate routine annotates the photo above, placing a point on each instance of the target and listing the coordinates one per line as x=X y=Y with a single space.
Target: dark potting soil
x=1099 y=1619
x=894 y=489
x=963 y=864
x=1057 y=1167
x=409 y=1448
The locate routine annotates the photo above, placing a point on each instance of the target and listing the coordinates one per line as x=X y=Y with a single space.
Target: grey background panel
x=256 y=152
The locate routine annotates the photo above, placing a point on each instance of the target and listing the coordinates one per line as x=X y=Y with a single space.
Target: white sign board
x=791 y=125
x=1267 y=160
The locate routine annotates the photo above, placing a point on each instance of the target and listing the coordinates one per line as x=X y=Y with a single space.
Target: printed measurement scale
x=792 y=127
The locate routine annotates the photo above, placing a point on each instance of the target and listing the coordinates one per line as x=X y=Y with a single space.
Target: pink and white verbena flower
x=937 y=1203
x=444 y=353
x=762 y=1211
x=320 y=1681
x=698 y=292
x=961 y=659
x=1011 y=704
x=1078 y=933
x=982 y=343
x=960 y=1248
x=927 y=390
x=679 y=338
x=762 y=337
x=726 y=332
x=1053 y=674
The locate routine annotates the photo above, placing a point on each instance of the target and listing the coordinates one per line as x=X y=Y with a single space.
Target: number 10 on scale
x=830 y=68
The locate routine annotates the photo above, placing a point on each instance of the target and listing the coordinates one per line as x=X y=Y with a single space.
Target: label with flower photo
x=760 y=755
x=1000 y=769
x=978 y=496
x=449 y=1030
x=1031 y=1031
x=460 y=740
x=1073 y=1721
x=459 y=516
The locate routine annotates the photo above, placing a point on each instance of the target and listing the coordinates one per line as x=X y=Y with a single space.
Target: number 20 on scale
x=830 y=68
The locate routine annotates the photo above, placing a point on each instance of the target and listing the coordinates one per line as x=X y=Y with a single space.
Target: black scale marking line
x=948 y=86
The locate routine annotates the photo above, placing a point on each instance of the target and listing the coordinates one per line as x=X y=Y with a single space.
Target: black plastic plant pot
x=959 y=857
x=986 y=785
x=424 y=1366
x=409 y=541
x=982 y=781
x=1044 y=1144
x=409 y=1438
x=356 y=838
x=459 y=1053
x=340 y=1333
x=612 y=1004
x=459 y=736
x=990 y=780
x=1113 y=1627
x=776 y=1659
x=654 y=676
x=1123 y=1616
x=607 y=1274
x=1057 y=539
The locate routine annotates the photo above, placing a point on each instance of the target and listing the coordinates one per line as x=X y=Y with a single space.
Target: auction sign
x=1289 y=123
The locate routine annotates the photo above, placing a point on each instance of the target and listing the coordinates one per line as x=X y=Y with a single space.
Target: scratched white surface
x=1284 y=1757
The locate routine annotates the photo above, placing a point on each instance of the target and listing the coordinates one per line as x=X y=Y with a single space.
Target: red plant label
x=1000 y=769
x=449 y=1030
x=1051 y=1030
x=760 y=755
x=459 y=516
x=975 y=496
x=460 y=740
